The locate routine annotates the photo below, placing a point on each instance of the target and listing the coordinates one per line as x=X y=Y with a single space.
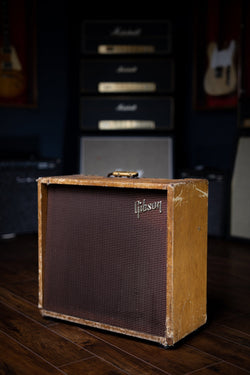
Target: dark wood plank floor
x=30 y=344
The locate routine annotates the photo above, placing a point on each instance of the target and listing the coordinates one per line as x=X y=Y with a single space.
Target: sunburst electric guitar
x=12 y=79
x=220 y=77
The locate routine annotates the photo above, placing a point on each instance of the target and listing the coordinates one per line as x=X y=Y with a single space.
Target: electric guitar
x=220 y=77
x=12 y=79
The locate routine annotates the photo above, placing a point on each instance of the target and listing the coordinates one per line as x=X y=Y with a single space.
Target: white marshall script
x=142 y=207
x=126 y=107
x=126 y=69
x=119 y=31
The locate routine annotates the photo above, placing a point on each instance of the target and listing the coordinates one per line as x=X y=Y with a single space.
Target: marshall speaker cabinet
x=127 y=255
x=126 y=37
x=149 y=156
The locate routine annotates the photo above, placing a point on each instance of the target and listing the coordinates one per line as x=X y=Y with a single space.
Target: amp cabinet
x=126 y=37
x=149 y=156
x=128 y=75
x=126 y=113
x=127 y=255
x=240 y=186
x=18 y=199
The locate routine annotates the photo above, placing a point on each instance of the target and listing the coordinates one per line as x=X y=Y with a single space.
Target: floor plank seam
x=130 y=354
x=76 y=361
x=219 y=359
x=44 y=327
x=236 y=366
x=236 y=330
x=89 y=351
x=31 y=351
x=203 y=368
x=101 y=359
x=18 y=296
x=205 y=352
x=22 y=313
x=227 y=339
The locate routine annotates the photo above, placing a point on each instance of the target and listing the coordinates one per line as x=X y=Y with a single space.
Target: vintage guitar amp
x=125 y=37
x=127 y=255
x=126 y=113
x=111 y=76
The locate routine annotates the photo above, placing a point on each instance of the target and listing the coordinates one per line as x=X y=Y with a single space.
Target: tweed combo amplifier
x=126 y=37
x=126 y=113
x=127 y=75
x=127 y=255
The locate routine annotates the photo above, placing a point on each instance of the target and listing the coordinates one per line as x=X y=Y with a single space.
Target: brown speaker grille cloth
x=103 y=263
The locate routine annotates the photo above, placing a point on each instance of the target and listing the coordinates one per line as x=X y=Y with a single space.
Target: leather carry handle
x=123 y=174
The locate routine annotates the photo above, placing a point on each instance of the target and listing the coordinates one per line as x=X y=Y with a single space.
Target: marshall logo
x=126 y=107
x=126 y=69
x=119 y=31
x=141 y=207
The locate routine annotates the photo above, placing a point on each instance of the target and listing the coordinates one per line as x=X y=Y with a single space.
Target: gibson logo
x=141 y=207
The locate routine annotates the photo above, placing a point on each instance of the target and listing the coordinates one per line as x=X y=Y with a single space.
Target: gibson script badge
x=142 y=207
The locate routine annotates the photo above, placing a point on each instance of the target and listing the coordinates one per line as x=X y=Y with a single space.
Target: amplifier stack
x=126 y=91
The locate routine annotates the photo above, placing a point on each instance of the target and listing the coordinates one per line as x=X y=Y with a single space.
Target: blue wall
x=47 y=121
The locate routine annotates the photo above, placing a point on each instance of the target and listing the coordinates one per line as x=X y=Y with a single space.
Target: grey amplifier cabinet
x=151 y=157
x=240 y=188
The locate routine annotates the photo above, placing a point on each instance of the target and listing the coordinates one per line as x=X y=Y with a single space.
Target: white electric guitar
x=220 y=77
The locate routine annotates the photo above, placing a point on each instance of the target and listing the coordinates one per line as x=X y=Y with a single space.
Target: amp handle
x=128 y=174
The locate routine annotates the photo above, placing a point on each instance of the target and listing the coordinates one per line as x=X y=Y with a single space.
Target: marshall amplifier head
x=126 y=255
x=115 y=113
x=125 y=37
x=130 y=75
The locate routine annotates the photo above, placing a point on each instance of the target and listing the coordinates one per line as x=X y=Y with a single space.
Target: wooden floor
x=32 y=345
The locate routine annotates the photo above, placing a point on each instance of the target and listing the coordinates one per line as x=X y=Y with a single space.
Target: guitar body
x=12 y=84
x=220 y=77
x=12 y=80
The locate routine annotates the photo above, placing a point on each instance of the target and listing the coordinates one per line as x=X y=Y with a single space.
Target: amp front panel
x=104 y=269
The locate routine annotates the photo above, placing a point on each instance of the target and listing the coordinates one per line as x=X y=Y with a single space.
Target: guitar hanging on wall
x=12 y=79
x=221 y=76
